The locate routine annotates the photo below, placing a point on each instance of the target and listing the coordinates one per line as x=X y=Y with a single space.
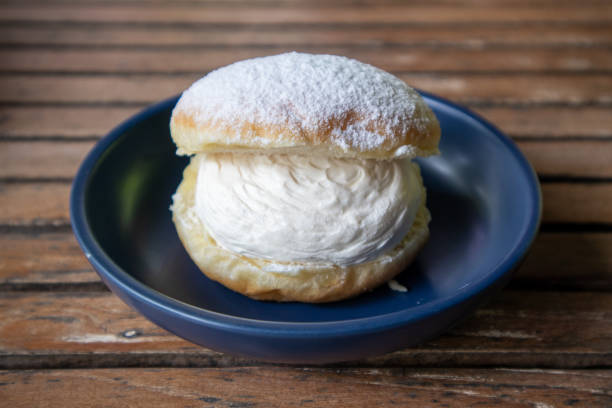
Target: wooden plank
x=23 y=160
x=577 y=203
x=41 y=204
x=316 y=387
x=392 y=59
x=34 y=204
x=493 y=88
x=92 y=89
x=568 y=261
x=573 y=158
x=418 y=14
x=578 y=261
x=434 y=36
x=62 y=122
x=43 y=259
x=34 y=160
x=546 y=122
x=535 y=122
x=521 y=89
x=518 y=328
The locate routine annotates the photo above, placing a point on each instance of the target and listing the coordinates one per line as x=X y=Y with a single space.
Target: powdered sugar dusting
x=303 y=93
x=396 y=286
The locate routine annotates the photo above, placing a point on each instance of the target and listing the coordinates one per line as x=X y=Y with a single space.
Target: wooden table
x=539 y=69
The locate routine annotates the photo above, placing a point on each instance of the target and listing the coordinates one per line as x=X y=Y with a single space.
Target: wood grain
x=568 y=261
x=551 y=122
x=518 y=328
x=316 y=387
x=393 y=59
x=61 y=122
x=70 y=70
x=416 y=14
x=56 y=90
x=41 y=259
x=492 y=88
x=34 y=204
x=476 y=36
x=84 y=122
x=577 y=203
x=25 y=160
x=573 y=158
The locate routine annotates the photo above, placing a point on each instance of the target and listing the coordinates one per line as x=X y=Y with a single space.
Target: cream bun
x=301 y=185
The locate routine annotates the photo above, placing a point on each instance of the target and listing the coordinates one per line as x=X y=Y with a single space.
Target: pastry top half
x=304 y=104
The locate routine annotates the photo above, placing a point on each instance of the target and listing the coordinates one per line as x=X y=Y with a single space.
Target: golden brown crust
x=207 y=136
x=304 y=104
x=308 y=283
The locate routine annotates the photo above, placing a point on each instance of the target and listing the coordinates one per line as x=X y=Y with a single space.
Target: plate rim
x=109 y=270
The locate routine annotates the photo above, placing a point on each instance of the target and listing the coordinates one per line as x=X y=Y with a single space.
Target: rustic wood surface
x=71 y=70
x=516 y=328
x=308 y=387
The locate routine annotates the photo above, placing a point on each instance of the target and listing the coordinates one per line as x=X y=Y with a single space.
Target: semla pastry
x=301 y=185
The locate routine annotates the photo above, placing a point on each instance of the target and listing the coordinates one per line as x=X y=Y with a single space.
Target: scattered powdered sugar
x=303 y=92
x=396 y=286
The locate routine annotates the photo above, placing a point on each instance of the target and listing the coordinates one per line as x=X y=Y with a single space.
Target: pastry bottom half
x=302 y=282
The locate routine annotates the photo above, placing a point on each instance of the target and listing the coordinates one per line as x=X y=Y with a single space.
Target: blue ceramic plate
x=485 y=204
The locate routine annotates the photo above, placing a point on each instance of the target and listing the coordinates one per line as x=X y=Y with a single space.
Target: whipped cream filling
x=293 y=208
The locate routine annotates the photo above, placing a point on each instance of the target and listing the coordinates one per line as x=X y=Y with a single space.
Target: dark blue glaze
x=485 y=203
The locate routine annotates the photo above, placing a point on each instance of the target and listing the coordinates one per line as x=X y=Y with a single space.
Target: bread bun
x=300 y=104
x=309 y=283
x=304 y=104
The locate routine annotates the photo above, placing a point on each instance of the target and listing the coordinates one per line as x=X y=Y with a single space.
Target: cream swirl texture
x=293 y=208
